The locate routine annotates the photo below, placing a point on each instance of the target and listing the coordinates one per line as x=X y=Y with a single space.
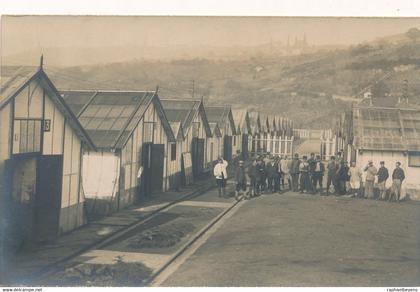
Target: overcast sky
x=21 y=33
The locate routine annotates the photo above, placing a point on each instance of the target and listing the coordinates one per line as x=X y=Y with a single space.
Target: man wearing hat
x=382 y=177
x=240 y=179
x=397 y=178
x=371 y=172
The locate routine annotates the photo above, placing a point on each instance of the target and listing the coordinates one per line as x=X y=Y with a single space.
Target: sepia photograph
x=209 y=151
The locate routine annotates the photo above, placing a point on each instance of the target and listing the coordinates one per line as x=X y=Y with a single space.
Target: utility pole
x=193 y=87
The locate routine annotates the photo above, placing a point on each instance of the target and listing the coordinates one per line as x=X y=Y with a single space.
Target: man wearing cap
x=270 y=173
x=371 y=172
x=382 y=177
x=312 y=165
x=318 y=174
x=332 y=169
x=252 y=174
x=294 y=172
x=397 y=178
x=240 y=179
x=305 y=181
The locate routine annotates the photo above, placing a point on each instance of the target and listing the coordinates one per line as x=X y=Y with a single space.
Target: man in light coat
x=371 y=172
x=220 y=173
x=285 y=172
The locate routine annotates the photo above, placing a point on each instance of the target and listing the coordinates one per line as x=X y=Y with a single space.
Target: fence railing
x=281 y=145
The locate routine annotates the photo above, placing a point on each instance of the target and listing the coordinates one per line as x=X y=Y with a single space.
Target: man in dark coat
x=240 y=179
x=305 y=181
x=253 y=174
x=382 y=177
x=318 y=174
x=294 y=172
x=261 y=177
x=332 y=169
x=398 y=177
x=343 y=177
x=277 y=175
x=312 y=164
x=270 y=173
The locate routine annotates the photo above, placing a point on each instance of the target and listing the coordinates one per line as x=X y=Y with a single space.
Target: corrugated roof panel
x=116 y=111
x=176 y=115
x=107 y=113
x=103 y=112
x=386 y=129
x=107 y=124
x=93 y=123
x=217 y=114
x=118 y=97
x=180 y=111
x=119 y=123
x=13 y=78
x=91 y=111
x=76 y=100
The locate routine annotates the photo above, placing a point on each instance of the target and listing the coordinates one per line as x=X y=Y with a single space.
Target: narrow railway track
x=161 y=274
x=53 y=268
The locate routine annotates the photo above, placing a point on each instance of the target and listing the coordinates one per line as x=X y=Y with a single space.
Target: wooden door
x=157 y=166
x=244 y=146
x=48 y=196
x=197 y=156
x=147 y=168
x=227 y=148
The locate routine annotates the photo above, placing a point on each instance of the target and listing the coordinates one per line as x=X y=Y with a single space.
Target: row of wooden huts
x=65 y=155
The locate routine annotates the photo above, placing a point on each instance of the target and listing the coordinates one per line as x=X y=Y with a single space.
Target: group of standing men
x=268 y=173
x=380 y=175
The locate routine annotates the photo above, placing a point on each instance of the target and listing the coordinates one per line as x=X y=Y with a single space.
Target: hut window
x=414 y=159
x=27 y=136
x=234 y=140
x=148 y=132
x=196 y=129
x=173 y=151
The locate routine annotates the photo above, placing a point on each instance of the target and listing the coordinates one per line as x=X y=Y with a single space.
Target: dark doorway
x=227 y=148
x=48 y=197
x=153 y=164
x=147 y=168
x=197 y=156
x=244 y=146
x=34 y=183
x=158 y=154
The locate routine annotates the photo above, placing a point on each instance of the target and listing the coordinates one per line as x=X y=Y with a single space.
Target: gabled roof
x=215 y=130
x=254 y=121
x=264 y=123
x=14 y=80
x=272 y=123
x=242 y=122
x=177 y=130
x=184 y=111
x=277 y=123
x=221 y=115
x=109 y=117
x=392 y=129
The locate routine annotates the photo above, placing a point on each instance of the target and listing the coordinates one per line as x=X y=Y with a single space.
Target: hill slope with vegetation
x=309 y=88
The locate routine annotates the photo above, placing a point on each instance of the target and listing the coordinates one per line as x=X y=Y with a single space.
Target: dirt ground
x=304 y=240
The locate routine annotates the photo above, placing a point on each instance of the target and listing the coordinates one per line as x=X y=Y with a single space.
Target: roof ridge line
x=106 y=90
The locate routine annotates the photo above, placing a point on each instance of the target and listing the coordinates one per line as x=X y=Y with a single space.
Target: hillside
x=303 y=87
